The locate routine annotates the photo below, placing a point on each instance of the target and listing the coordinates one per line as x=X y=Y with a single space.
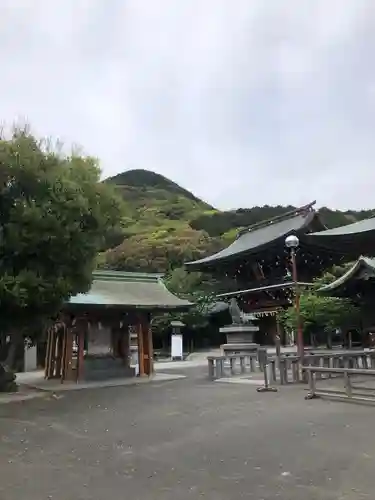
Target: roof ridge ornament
x=304 y=210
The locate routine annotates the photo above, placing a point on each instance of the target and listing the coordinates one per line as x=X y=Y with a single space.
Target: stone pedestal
x=240 y=339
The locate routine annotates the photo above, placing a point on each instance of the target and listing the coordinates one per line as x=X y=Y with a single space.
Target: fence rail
x=223 y=366
x=287 y=368
x=350 y=392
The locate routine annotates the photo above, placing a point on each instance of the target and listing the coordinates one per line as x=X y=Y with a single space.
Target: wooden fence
x=287 y=368
x=351 y=391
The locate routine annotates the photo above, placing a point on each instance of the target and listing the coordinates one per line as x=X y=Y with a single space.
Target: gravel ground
x=186 y=439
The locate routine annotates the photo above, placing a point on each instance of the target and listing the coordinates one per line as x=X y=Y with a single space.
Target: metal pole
x=300 y=345
x=278 y=340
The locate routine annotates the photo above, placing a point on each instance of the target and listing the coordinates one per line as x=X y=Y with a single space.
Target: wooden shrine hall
x=91 y=340
x=257 y=268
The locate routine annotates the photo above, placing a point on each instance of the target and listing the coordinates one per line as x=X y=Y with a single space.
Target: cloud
x=244 y=103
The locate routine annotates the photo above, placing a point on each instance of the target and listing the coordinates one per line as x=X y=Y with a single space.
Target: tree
x=55 y=215
x=191 y=286
x=320 y=313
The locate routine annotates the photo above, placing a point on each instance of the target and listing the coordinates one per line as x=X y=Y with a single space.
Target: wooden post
x=145 y=346
x=51 y=354
x=278 y=341
x=350 y=339
x=63 y=355
x=252 y=363
x=150 y=349
x=141 y=356
x=59 y=352
x=232 y=361
x=219 y=367
x=329 y=339
x=68 y=368
x=242 y=364
x=348 y=386
x=48 y=354
x=211 y=370
x=311 y=378
x=80 y=354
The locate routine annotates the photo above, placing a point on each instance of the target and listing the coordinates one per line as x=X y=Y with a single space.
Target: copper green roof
x=258 y=237
x=362 y=270
x=129 y=290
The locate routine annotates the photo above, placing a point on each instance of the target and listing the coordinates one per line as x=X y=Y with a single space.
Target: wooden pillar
x=48 y=362
x=52 y=353
x=145 y=346
x=63 y=356
x=59 y=352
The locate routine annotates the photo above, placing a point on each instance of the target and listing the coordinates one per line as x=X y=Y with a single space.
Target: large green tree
x=55 y=215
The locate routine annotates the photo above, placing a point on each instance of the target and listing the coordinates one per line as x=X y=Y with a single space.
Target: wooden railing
x=287 y=368
x=350 y=392
x=224 y=366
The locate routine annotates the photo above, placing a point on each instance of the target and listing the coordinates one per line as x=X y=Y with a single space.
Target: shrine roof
x=356 y=238
x=363 y=269
x=263 y=235
x=362 y=226
x=129 y=290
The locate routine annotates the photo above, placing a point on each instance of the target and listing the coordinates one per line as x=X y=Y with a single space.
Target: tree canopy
x=54 y=217
x=320 y=313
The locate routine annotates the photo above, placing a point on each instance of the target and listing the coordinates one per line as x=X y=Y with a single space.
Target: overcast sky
x=243 y=102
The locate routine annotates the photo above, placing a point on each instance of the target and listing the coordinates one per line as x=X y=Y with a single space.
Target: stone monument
x=240 y=334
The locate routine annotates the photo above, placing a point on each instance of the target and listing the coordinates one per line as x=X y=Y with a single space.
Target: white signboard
x=176 y=346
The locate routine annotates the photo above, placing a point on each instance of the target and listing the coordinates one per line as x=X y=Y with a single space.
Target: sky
x=243 y=102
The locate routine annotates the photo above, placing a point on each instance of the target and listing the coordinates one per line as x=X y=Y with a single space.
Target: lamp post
x=292 y=243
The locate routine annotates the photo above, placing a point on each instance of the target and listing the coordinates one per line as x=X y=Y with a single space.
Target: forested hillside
x=164 y=225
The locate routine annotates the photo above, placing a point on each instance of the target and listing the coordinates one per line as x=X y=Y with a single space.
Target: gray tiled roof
x=362 y=226
x=259 y=236
x=138 y=290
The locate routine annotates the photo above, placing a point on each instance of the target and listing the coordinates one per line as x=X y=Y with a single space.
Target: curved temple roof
x=358 y=237
x=129 y=290
x=362 y=269
x=257 y=237
x=362 y=226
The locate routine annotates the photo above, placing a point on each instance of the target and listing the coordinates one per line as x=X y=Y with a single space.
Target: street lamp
x=292 y=243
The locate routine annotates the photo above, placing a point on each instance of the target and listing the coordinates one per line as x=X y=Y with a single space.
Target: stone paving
x=36 y=380
x=186 y=439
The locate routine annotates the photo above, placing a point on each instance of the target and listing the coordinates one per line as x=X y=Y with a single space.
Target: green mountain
x=164 y=224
